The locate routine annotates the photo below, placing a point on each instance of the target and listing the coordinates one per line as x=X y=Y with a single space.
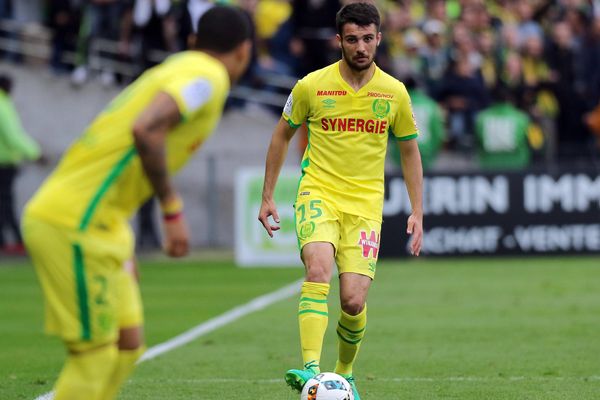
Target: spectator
x=280 y=54
x=313 y=33
x=63 y=19
x=590 y=62
x=6 y=9
x=101 y=20
x=537 y=97
x=463 y=95
x=430 y=122
x=434 y=56
x=154 y=32
x=527 y=26
x=273 y=31
x=15 y=148
x=435 y=10
x=490 y=59
x=396 y=23
x=502 y=134
x=562 y=57
x=408 y=63
x=511 y=74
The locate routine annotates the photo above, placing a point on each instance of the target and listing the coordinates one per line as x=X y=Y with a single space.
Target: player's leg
x=313 y=312
x=356 y=260
x=131 y=334
x=86 y=371
x=130 y=348
x=79 y=289
x=318 y=231
x=312 y=309
x=352 y=323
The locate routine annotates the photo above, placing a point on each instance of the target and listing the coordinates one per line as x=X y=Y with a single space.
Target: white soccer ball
x=327 y=386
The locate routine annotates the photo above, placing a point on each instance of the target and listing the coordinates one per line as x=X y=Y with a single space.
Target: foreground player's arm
x=150 y=131
x=413 y=176
x=275 y=157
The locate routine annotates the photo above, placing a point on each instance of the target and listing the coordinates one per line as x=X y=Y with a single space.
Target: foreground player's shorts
x=89 y=294
x=355 y=239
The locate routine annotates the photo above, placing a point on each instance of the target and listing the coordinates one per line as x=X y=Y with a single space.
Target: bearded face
x=359 y=45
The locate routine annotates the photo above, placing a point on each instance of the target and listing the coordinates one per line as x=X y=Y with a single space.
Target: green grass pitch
x=438 y=329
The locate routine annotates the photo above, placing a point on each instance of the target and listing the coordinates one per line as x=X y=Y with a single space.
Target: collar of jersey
x=347 y=86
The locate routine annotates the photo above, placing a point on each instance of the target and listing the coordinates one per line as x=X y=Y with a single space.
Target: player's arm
x=276 y=154
x=149 y=132
x=412 y=171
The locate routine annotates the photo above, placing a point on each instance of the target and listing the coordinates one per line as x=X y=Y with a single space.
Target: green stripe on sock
x=313 y=300
x=347 y=340
x=82 y=295
x=311 y=364
x=314 y=312
x=349 y=330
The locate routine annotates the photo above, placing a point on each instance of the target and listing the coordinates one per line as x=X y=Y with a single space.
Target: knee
x=353 y=305
x=318 y=273
x=131 y=339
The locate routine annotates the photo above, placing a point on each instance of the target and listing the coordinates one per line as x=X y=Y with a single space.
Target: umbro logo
x=328 y=103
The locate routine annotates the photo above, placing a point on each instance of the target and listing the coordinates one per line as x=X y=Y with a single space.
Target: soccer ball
x=327 y=386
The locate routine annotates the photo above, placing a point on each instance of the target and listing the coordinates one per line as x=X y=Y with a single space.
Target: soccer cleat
x=297 y=378
x=350 y=379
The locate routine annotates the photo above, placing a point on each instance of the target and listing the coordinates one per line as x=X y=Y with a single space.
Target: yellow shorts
x=89 y=293
x=355 y=239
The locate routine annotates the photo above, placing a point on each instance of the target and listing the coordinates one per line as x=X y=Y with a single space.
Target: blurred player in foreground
x=76 y=226
x=349 y=107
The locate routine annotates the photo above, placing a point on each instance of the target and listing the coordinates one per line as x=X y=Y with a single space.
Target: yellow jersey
x=100 y=182
x=348 y=135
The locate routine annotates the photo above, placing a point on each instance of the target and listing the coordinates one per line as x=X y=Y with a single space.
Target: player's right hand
x=176 y=242
x=268 y=209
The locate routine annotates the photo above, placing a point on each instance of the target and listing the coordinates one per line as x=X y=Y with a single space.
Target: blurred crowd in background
x=531 y=64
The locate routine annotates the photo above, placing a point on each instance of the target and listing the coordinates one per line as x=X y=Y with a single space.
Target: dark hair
x=410 y=82
x=501 y=93
x=5 y=83
x=221 y=29
x=361 y=14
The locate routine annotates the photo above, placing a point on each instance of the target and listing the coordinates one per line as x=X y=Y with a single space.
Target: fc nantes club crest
x=381 y=108
x=306 y=230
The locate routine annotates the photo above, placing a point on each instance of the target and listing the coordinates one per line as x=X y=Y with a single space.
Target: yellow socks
x=350 y=331
x=85 y=374
x=313 y=318
x=125 y=365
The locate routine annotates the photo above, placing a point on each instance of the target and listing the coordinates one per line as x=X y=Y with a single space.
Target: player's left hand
x=414 y=227
x=268 y=209
x=176 y=242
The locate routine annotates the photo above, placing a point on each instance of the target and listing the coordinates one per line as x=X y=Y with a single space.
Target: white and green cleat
x=297 y=378
x=350 y=379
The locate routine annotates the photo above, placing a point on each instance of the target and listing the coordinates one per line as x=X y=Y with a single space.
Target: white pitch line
x=257 y=304
x=230 y=316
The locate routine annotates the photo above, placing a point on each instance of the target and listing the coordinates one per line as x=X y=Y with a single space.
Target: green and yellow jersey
x=100 y=181
x=347 y=136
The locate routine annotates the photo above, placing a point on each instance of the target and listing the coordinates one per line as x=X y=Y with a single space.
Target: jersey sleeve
x=404 y=126
x=190 y=93
x=296 y=107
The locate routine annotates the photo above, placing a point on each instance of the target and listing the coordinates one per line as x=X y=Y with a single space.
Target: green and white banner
x=253 y=246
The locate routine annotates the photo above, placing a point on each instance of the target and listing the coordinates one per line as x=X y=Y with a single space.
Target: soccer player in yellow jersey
x=349 y=108
x=76 y=226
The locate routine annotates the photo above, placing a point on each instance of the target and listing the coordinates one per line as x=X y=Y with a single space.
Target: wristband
x=172 y=217
x=172 y=209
